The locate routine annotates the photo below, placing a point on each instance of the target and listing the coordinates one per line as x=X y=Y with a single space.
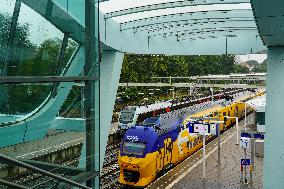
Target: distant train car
x=154 y=146
x=132 y=115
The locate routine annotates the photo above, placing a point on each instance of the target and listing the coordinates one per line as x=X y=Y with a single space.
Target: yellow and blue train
x=162 y=142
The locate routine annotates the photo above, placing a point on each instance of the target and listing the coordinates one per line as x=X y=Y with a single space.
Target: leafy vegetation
x=141 y=68
x=260 y=68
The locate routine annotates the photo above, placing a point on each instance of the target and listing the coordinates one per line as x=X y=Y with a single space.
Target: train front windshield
x=127 y=116
x=133 y=148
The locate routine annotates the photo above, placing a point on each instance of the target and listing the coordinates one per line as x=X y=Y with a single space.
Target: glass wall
x=34 y=51
x=42 y=122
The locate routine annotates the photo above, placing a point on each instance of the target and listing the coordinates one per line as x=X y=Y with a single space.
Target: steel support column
x=92 y=93
x=110 y=73
x=274 y=140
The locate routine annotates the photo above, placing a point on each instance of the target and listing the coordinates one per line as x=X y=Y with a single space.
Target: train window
x=133 y=148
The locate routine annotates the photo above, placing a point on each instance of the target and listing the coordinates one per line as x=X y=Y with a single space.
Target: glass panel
x=36 y=52
x=6 y=13
x=72 y=106
x=36 y=47
x=51 y=143
x=25 y=98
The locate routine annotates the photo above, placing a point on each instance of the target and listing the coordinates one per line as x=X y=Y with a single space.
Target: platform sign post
x=219 y=144
x=245 y=165
x=245 y=144
x=204 y=162
x=252 y=161
x=245 y=116
x=237 y=125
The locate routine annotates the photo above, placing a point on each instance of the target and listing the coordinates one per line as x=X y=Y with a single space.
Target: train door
x=237 y=111
x=159 y=160
x=225 y=122
x=168 y=147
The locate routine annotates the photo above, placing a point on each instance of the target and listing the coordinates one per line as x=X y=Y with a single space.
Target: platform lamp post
x=212 y=93
x=245 y=116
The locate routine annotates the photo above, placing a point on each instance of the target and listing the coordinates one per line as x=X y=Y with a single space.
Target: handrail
x=14 y=185
x=4 y=158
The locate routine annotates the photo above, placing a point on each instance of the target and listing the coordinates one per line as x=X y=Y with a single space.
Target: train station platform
x=189 y=173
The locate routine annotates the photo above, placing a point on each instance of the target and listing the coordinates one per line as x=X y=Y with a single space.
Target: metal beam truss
x=232 y=77
x=192 y=85
x=44 y=79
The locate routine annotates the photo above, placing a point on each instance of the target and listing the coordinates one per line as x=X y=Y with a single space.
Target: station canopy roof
x=257 y=103
x=180 y=27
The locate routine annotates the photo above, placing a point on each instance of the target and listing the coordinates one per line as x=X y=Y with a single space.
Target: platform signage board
x=245 y=142
x=245 y=161
x=204 y=128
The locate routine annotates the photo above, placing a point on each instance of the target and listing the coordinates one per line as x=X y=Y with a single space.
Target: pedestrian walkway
x=188 y=174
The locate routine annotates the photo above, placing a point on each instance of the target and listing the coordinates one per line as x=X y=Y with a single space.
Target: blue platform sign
x=255 y=135
x=245 y=161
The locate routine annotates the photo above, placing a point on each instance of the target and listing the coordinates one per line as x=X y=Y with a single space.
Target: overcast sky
x=258 y=57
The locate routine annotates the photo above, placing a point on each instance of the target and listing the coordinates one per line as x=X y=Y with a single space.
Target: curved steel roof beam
x=225 y=32
x=173 y=4
x=202 y=25
x=158 y=27
x=165 y=19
